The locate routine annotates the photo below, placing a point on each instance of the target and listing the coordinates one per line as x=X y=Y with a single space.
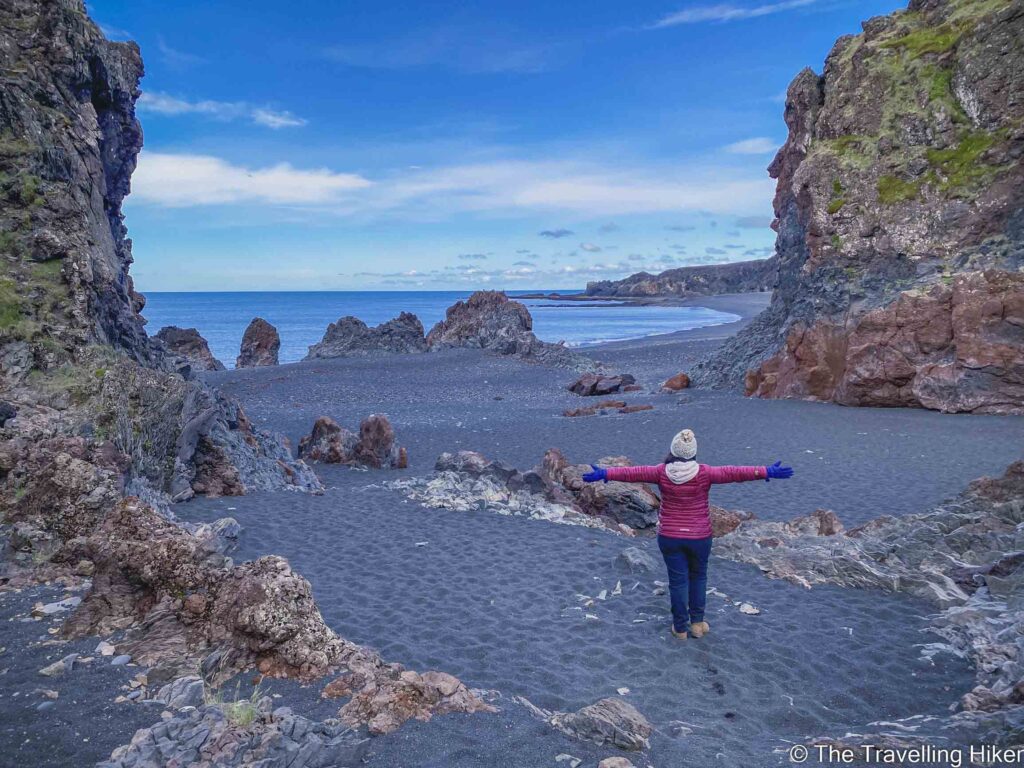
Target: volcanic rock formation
x=260 y=345
x=189 y=344
x=374 y=446
x=900 y=219
x=490 y=320
x=351 y=336
x=708 y=280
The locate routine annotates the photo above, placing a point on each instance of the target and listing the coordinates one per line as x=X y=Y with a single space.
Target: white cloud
x=759 y=145
x=165 y=104
x=723 y=12
x=495 y=188
x=590 y=247
x=172 y=181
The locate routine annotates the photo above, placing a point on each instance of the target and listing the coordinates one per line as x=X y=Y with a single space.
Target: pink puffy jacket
x=684 y=506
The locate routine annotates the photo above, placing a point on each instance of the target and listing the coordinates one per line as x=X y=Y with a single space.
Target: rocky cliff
x=68 y=144
x=900 y=219
x=710 y=280
x=351 y=336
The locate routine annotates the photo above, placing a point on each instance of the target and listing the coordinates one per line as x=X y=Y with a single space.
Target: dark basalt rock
x=189 y=344
x=599 y=384
x=490 y=320
x=374 y=446
x=260 y=345
x=351 y=336
x=900 y=219
x=69 y=145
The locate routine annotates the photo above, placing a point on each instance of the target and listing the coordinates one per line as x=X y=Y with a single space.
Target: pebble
x=120 y=661
x=571 y=759
x=104 y=649
x=44 y=706
x=749 y=610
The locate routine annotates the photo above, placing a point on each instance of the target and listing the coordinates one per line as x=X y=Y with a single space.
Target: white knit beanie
x=684 y=445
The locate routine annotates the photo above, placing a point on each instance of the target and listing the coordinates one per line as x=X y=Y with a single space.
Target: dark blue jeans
x=687 y=563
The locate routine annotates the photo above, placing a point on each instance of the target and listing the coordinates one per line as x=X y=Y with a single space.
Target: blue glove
x=777 y=472
x=600 y=474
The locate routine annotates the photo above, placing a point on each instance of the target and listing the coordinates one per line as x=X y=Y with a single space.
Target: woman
x=684 y=522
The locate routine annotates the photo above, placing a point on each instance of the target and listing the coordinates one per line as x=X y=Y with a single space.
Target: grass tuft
x=892 y=189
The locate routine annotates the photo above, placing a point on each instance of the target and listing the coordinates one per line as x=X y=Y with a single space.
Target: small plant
x=240 y=712
x=837 y=241
x=892 y=189
x=10 y=305
x=835 y=205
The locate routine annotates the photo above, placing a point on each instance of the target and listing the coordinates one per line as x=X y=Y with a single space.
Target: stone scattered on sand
x=189 y=344
x=260 y=345
x=677 y=383
x=637 y=560
x=58 y=668
x=606 y=406
x=121 y=660
x=105 y=649
x=572 y=760
x=615 y=762
x=612 y=721
x=374 y=446
x=351 y=336
x=50 y=609
x=749 y=610
x=599 y=384
x=386 y=699
x=490 y=320
x=212 y=737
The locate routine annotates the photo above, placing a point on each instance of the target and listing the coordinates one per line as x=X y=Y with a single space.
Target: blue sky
x=317 y=145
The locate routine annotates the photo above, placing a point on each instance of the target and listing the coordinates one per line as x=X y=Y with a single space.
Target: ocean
x=302 y=317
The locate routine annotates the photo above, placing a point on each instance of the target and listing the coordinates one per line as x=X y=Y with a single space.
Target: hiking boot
x=699 y=628
x=679 y=635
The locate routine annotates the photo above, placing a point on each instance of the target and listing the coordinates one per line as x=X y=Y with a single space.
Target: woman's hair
x=672 y=458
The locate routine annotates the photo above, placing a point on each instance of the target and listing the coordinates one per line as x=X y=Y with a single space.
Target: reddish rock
x=590 y=410
x=678 y=382
x=952 y=348
x=821 y=522
x=597 y=384
x=374 y=446
x=260 y=345
x=188 y=343
x=636 y=408
x=634 y=505
x=395 y=695
x=632 y=388
x=724 y=521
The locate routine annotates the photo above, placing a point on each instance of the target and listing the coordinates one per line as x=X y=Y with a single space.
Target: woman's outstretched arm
x=745 y=474
x=627 y=474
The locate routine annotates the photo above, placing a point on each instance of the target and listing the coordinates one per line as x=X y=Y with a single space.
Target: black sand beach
x=500 y=601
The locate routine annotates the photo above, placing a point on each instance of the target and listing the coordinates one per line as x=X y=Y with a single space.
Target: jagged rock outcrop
x=966 y=556
x=709 y=280
x=68 y=145
x=553 y=491
x=189 y=344
x=351 y=336
x=374 y=446
x=600 y=385
x=260 y=345
x=900 y=219
x=212 y=736
x=490 y=320
x=613 y=722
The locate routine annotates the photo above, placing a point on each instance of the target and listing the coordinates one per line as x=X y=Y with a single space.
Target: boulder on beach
x=606 y=406
x=613 y=722
x=634 y=505
x=351 y=336
x=677 y=383
x=260 y=345
x=374 y=446
x=599 y=384
x=491 y=320
x=189 y=344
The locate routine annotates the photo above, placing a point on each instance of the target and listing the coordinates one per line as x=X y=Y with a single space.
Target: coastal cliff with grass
x=900 y=218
